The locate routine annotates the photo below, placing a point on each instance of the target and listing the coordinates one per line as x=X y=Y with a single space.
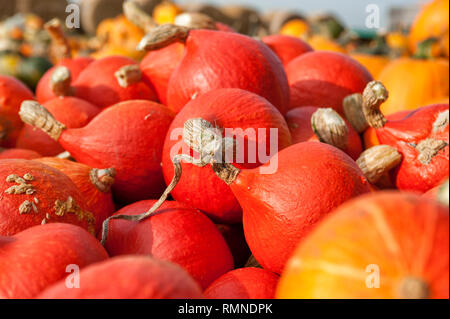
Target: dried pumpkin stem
x=162 y=36
x=374 y=95
x=195 y=20
x=136 y=15
x=353 y=111
x=103 y=179
x=330 y=128
x=136 y=218
x=32 y=113
x=60 y=81
x=377 y=161
x=60 y=48
x=128 y=75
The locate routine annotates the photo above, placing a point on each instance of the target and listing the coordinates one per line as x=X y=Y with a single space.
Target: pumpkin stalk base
x=374 y=95
x=60 y=82
x=162 y=36
x=353 y=111
x=103 y=179
x=377 y=161
x=330 y=128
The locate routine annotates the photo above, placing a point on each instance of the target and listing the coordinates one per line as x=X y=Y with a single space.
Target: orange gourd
x=382 y=245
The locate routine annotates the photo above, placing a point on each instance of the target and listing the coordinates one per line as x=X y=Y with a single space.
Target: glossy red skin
x=176 y=233
x=157 y=67
x=71 y=111
x=44 y=92
x=286 y=47
x=324 y=79
x=244 y=283
x=299 y=122
x=99 y=203
x=12 y=94
x=235 y=238
x=411 y=174
x=129 y=277
x=129 y=137
x=38 y=257
x=226 y=108
x=50 y=185
x=216 y=59
x=98 y=85
x=18 y=153
x=280 y=209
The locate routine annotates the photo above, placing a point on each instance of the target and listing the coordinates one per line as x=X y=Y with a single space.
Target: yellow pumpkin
x=431 y=22
x=398 y=42
x=166 y=12
x=321 y=43
x=373 y=63
x=296 y=28
x=412 y=83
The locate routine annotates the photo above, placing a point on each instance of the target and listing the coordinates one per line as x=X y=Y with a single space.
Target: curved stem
x=102 y=179
x=162 y=36
x=195 y=20
x=60 y=45
x=60 y=81
x=128 y=75
x=377 y=161
x=134 y=13
x=374 y=95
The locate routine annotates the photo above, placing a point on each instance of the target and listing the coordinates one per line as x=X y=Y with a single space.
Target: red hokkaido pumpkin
x=95 y=185
x=421 y=138
x=168 y=234
x=12 y=94
x=128 y=136
x=70 y=111
x=217 y=59
x=111 y=80
x=244 y=283
x=44 y=90
x=16 y=153
x=324 y=79
x=227 y=109
x=129 y=277
x=299 y=122
x=158 y=66
x=286 y=47
x=34 y=193
x=38 y=257
x=382 y=245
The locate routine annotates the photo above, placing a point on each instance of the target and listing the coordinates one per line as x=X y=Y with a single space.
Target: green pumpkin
x=31 y=70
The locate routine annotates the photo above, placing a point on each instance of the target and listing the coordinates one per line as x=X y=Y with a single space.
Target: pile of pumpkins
x=333 y=183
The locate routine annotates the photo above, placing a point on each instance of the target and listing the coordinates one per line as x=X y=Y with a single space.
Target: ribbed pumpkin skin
x=216 y=59
x=37 y=257
x=225 y=108
x=432 y=21
x=299 y=122
x=176 y=233
x=411 y=174
x=128 y=136
x=403 y=234
x=18 y=153
x=324 y=79
x=98 y=85
x=286 y=47
x=44 y=92
x=50 y=185
x=280 y=209
x=412 y=83
x=129 y=277
x=72 y=112
x=158 y=66
x=244 y=283
x=99 y=203
x=12 y=94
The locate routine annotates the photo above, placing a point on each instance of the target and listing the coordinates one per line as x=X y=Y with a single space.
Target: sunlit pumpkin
x=382 y=245
x=296 y=28
x=166 y=12
x=373 y=63
x=321 y=43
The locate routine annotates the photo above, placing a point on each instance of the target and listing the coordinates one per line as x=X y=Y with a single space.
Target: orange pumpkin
x=431 y=22
x=296 y=28
x=321 y=43
x=373 y=63
x=382 y=245
x=166 y=12
x=414 y=82
x=398 y=43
